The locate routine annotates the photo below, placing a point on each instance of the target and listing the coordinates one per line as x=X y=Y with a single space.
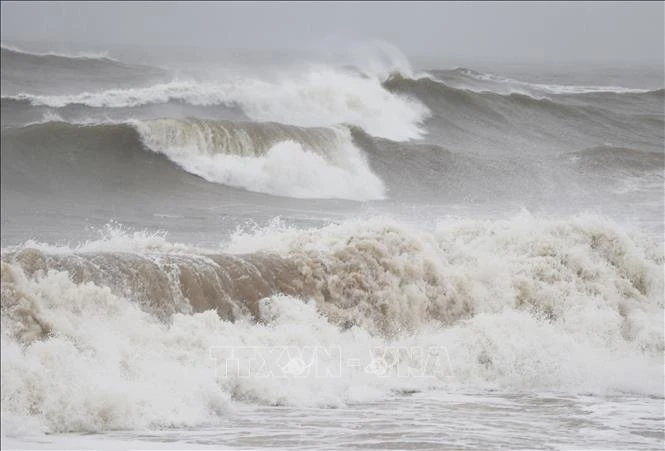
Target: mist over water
x=509 y=217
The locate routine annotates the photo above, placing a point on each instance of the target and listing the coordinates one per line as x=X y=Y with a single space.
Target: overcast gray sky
x=518 y=31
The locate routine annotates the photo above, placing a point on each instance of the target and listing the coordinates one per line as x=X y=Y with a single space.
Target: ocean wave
x=503 y=85
x=180 y=155
x=8 y=49
x=386 y=277
x=269 y=158
x=437 y=88
x=572 y=304
x=54 y=74
x=515 y=120
x=452 y=104
x=432 y=88
x=315 y=98
x=266 y=157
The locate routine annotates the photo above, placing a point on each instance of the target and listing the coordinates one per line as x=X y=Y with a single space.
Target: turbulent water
x=323 y=256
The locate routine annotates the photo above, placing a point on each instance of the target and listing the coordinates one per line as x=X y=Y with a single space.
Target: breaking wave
x=315 y=98
x=266 y=157
x=431 y=85
x=460 y=116
x=269 y=158
x=572 y=305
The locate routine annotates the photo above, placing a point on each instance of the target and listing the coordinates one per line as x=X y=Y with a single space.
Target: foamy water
x=329 y=258
x=447 y=419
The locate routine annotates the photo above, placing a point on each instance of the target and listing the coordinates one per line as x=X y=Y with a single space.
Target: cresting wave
x=397 y=108
x=269 y=158
x=266 y=157
x=311 y=99
x=571 y=305
x=518 y=120
x=397 y=82
x=290 y=161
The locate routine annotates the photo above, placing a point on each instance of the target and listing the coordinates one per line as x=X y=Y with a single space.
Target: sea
x=358 y=249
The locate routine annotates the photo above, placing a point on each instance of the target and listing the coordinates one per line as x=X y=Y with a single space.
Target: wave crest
x=266 y=157
x=577 y=301
x=315 y=98
x=269 y=158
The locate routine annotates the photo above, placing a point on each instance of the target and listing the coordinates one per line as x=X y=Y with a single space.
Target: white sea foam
x=300 y=163
x=323 y=97
x=584 y=270
x=572 y=305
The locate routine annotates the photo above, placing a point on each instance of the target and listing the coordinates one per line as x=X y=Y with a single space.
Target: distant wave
x=397 y=108
x=503 y=85
x=48 y=74
x=461 y=114
x=431 y=89
x=315 y=98
x=8 y=49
